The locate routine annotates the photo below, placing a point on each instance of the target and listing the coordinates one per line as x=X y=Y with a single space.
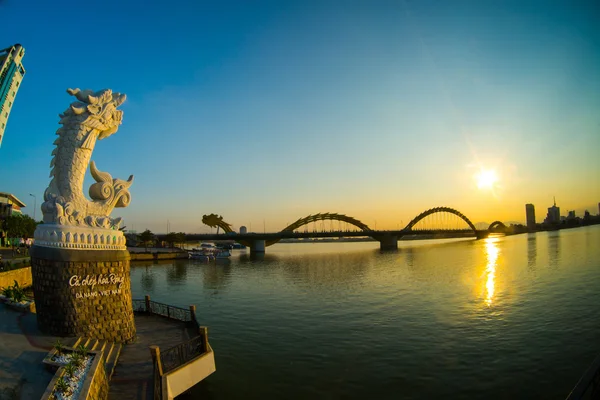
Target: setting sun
x=486 y=179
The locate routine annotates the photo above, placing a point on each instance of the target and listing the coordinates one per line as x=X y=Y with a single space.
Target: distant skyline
x=271 y=111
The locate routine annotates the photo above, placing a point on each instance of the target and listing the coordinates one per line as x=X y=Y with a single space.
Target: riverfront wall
x=21 y=275
x=83 y=293
x=150 y=256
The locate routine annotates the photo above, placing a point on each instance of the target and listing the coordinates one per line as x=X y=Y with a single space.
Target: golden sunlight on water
x=492 y=252
x=521 y=308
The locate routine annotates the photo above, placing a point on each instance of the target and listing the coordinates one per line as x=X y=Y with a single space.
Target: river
x=511 y=317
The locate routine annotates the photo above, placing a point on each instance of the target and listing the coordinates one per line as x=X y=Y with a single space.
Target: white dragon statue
x=93 y=117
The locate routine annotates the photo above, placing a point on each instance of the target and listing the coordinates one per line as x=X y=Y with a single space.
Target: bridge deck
x=329 y=234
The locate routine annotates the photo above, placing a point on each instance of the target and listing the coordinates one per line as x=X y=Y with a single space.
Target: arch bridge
x=497 y=226
x=418 y=227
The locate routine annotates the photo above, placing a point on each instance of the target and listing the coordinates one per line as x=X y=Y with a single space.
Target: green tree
x=171 y=238
x=19 y=226
x=147 y=237
x=180 y=238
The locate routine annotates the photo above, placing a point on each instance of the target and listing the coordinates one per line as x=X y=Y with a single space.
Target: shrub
x=18 y=294
x=60 y=348
x=61 y=385
x=83 y=350
x=76 y=359
x=7 y=292
x=70 y=369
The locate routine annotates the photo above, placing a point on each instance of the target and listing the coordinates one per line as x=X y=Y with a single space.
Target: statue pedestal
x=83 y=293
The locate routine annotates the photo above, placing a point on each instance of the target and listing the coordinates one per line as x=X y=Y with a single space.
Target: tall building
x=553 y=216
x=9 y=205
x=11 y=75
x=530 y=213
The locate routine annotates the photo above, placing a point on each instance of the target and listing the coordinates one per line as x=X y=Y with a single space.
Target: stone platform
x=23 y=347
x=133 y=377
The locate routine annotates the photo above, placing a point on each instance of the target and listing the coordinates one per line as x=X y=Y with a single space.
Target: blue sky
x=276 y=110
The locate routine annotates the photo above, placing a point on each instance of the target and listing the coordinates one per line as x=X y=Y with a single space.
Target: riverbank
x=156 y=253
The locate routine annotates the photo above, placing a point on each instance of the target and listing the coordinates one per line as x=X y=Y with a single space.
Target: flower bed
x=73 y=371
x=23 y=305
x=71 y=380
x=14 y=296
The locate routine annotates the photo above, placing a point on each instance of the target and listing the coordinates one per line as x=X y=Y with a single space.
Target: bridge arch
x=496 y=224
x=321 y=217
x=439 y=210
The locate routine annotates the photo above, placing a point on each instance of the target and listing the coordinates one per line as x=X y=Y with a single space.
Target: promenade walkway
x=133 y=377
x=23 y=347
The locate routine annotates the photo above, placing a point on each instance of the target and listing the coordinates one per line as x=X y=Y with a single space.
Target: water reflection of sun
x=492 y=252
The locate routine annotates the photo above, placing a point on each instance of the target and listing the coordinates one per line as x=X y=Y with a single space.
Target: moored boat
x=209 y=253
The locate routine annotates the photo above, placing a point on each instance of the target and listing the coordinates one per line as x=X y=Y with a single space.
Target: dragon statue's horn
x=98 y=175
x=125 y=184
x=120 y=99
x=85 y=96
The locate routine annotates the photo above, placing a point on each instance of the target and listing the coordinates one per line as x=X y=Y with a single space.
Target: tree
x=19 y=226
x=147 y=237
x=180 y=238
x=171 y=238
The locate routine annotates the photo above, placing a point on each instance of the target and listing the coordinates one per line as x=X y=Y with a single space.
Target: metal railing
x=181 y=314
x=179 y=355
x=139 y=305
x=588 y=386
x=165 y=310
x=154 y=351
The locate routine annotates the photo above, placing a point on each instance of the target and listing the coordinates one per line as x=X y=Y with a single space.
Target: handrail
x=176 y=356
x=148 y=306
x=157 y=383
x=588 y=386
x=182 y=353
x=158 y=372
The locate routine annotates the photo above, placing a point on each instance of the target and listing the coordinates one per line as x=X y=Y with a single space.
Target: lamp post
x=34 y=204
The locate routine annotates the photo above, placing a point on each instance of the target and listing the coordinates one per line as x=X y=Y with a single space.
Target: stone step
x=100 y=345
x=86 y=342
x=108 y=353
x=74 y=342
x=112 y=357
x=111 y=351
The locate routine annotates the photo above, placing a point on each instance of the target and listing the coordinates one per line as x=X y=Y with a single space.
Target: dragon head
x=98 y=109
x=211 y=220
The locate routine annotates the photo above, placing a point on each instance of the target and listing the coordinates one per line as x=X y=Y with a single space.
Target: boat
x=222 y=253
x=209 y=253
x=200 y=255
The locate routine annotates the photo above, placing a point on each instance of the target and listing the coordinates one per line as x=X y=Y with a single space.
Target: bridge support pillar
x=388 y=242
x=258 y=246
x=482 y=234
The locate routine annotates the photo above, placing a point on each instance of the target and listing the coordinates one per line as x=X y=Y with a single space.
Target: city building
x=553 y=216
x=9 y=205
x=530 y=213
x=243 y=230
x=571 y=215
x=11 y=75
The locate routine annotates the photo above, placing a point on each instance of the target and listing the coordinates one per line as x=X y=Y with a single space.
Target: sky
x=265 y=112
